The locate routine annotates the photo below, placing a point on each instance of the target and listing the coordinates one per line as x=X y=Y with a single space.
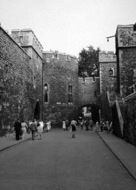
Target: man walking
x=33 y=128
x=17 y=127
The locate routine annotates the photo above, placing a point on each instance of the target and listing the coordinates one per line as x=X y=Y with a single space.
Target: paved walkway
x=124 y=151
x=9 y=140
x=58 y=162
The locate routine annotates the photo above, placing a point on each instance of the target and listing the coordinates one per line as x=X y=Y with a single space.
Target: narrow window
x=70 y=97
x=46 y=93
x=111 y=72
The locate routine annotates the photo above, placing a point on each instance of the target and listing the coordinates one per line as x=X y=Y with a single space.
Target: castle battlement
x=107 y=57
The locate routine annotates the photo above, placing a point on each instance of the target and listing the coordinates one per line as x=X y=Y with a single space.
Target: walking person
x=17 y=127
x=23 y=128
x=48 y=126
x=40 y=126
x=33 y=128
x=91 y=124
x=64 y=125
x=73 y=128
x=67 y=124
x=87 y=124
x=81 y=124
x=97 y=127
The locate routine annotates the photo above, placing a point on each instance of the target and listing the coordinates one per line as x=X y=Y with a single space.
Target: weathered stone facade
x=16 y=81
x=126 y=72
x=108 y=71
x=60 y=76
x=126 y=57
x=27 y=39
x=88 y=90
x=108 y=82
x=129 y=115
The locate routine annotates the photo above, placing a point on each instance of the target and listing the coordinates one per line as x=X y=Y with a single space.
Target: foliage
x=17 y=94
x=88 y=62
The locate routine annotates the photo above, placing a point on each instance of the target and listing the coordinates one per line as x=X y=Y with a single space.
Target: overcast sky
x=69 y=25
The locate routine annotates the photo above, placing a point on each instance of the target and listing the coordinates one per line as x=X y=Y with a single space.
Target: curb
x=10 y=146
x=118 y=158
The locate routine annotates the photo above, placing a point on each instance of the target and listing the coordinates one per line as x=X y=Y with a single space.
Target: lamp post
x=42 y=88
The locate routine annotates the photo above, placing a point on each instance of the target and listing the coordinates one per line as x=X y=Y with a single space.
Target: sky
x=68 y=26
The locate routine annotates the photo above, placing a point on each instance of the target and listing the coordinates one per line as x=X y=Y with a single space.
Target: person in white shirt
x=64 y=125
x=48 y=126
x=40 y=128
x=23 y=128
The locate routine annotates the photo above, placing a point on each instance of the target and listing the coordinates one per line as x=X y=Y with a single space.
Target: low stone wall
x=130 y=121
x=128 y=111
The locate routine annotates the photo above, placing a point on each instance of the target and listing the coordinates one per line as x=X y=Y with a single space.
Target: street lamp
x=46 y=87
x=110 y=37
x=46 y=93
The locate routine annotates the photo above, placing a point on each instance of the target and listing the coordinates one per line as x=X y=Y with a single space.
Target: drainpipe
x=42 y=89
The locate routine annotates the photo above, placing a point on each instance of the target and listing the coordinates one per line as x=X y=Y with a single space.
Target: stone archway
x=93 y=108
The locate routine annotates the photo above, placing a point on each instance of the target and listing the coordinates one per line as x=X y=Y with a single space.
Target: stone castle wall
x=126 y=48
x=16 y=81
x=60 y=71
x=107 y=61
x=88 y=90
x=126 y=54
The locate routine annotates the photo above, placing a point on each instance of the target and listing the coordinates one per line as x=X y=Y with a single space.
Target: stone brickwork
x=107 y=63
x=126 y=61
x=126 y=36
x=129 y=113
x=88 y=90
x=16 y=81
x=126 y=51
x=27 y=39
x=60 y=71
x=108 y=82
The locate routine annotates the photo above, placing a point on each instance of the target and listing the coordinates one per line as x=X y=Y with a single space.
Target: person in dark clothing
x=87 y=124
x=73 y=128
x=67 y=125
x=33 y=128
x=17 y=127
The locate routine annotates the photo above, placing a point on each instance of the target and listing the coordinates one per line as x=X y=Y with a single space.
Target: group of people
x=106 y=125
x=22 y=127
x=88 y=124
x=37 y=127
x=85 y=123
x=71 y=126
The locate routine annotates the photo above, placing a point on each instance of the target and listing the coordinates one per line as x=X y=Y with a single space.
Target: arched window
x=46 y=93
x=111 y=72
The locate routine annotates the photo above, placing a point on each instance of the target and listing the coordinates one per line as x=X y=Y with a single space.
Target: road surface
x=58 y=162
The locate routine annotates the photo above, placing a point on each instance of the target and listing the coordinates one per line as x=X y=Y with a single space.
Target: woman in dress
x=64 y=125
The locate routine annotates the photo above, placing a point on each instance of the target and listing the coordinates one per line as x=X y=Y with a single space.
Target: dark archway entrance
x=93 y=108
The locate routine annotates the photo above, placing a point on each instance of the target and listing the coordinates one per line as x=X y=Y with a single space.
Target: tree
x=88 y=62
